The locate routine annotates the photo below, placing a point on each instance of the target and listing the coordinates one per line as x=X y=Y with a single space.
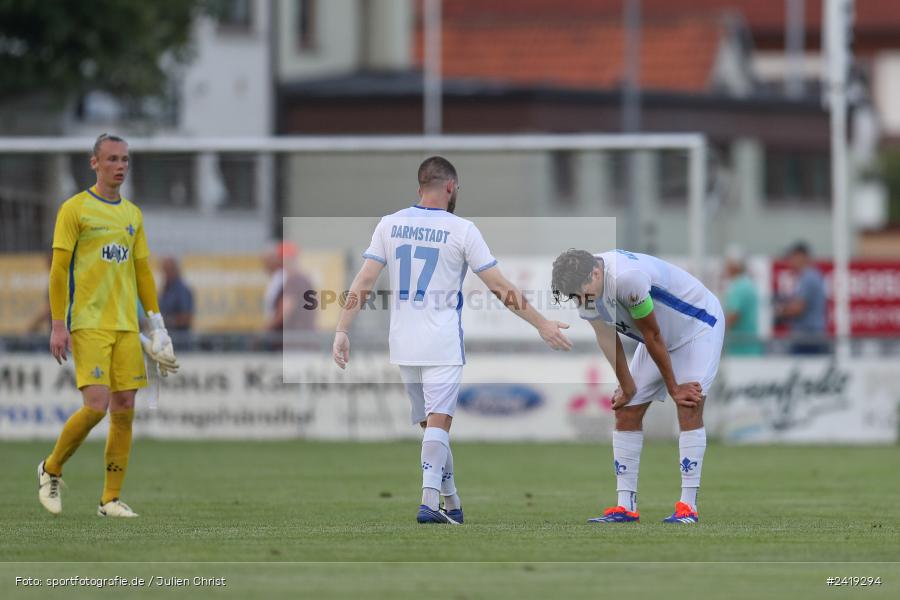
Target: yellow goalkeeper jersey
x=105 y=239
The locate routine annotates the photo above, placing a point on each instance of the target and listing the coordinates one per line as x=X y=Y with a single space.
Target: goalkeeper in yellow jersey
x=100 y=268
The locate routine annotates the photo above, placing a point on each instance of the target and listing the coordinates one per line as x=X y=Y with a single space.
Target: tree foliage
x=69 y=47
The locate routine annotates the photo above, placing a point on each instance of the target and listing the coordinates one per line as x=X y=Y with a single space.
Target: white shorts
x=431 y=390
x=697 y=360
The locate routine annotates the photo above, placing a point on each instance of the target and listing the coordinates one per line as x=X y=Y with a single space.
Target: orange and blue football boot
x=683 y=514
x=616 y=514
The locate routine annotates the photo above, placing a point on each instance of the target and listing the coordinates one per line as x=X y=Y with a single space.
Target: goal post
x=694 y=145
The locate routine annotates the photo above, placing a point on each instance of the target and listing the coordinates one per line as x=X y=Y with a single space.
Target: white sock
x=430 y=498
x=627 y=447
x=692 y=447
x=435 y=446
x=448 y=484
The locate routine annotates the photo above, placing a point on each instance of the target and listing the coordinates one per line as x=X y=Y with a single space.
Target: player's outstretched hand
x=688 y=395
x=60 y=341
x=340 y=351
x=556 y=339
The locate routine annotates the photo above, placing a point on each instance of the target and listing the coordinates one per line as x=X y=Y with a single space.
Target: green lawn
x=763 y=510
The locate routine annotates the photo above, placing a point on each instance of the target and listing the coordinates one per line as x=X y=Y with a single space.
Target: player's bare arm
x=611 y=344
x=360 y=288
x=686 y=394
x=515 y=301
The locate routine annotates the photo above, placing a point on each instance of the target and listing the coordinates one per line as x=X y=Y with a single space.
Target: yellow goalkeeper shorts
x=111 y=358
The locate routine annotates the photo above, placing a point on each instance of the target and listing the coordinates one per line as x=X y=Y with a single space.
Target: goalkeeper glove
x=158 y=345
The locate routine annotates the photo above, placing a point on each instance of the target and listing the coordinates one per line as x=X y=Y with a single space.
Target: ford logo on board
x=499 y=399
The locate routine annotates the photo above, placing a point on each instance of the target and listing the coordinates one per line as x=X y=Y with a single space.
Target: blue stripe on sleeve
x=675 y=303
x=373 y=257
x=485 y=267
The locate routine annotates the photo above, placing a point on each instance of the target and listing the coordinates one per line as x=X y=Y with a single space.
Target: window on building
x=797 y=176
x=563 y=169
x=24 y=209
x=673 y=174
x=306 y=25
x=164 y=180
x=233 y=15
x=617 y=176
x=239 y=177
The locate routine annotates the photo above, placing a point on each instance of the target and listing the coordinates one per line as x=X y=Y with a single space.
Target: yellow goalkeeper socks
x=71 y=436
x=118 y=448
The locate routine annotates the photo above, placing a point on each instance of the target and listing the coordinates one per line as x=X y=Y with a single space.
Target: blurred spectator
x=804 y=311
x=40 y=321
x=284 y=299
x=741 y=307
x=176 y=302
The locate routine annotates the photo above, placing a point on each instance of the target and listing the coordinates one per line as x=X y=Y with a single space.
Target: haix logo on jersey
x=114 y=253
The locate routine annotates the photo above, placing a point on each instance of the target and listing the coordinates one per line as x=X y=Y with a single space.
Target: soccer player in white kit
x=428 y=251
x=679 y=326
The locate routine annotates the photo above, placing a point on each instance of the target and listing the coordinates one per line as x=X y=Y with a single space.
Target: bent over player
x=679 y=327
x=428 y=251
x=100 y=264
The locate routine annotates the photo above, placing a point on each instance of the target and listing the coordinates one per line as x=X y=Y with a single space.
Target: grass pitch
x=775 y=521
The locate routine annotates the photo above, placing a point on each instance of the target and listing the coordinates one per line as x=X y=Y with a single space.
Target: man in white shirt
x=679 y=327
x=428 y=250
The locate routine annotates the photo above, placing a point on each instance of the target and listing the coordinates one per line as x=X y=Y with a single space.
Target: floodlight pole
x=432 y=88
x=696 y=206
x=837 y=13
x=794 y=47
x=631 y=118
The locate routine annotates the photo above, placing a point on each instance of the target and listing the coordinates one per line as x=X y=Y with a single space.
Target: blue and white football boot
x=456 y=514
x=426 y=515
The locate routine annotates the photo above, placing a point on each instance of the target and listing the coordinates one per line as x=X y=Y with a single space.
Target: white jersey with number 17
x=427 y=252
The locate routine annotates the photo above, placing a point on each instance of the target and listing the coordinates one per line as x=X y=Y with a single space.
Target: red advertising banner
x=874 y=295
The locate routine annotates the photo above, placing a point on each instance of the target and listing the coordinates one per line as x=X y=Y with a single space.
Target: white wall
x=227 y=89
x=337 y=40
x=347 y=38
x=886 y=90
